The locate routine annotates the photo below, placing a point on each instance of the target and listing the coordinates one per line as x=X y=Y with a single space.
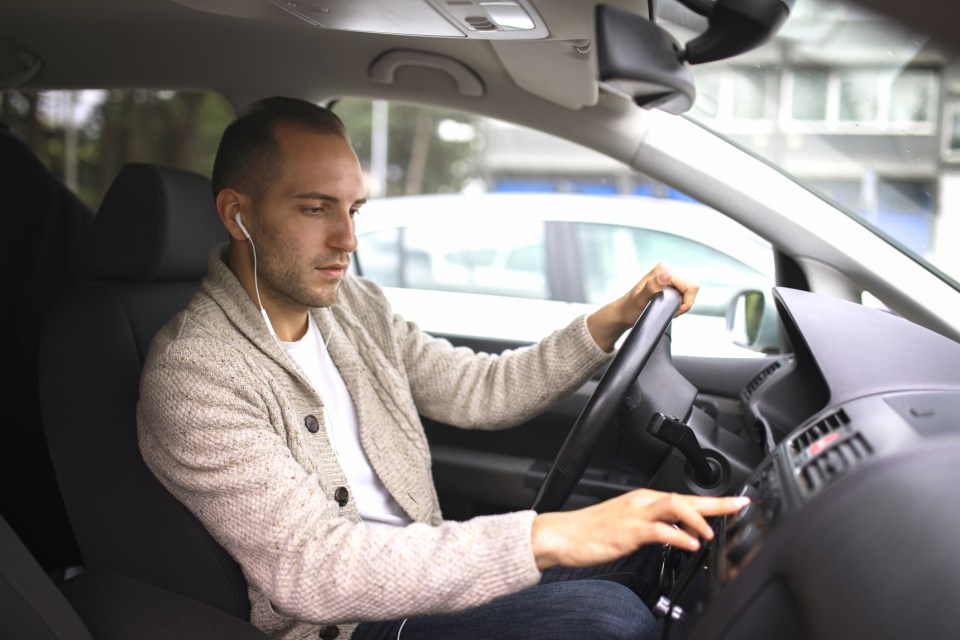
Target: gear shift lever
x=674 y=432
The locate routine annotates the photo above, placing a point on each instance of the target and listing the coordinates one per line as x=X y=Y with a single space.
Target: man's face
x=303 y=228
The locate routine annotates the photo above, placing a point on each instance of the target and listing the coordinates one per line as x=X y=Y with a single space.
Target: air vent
x=760 y=379
x=831 y=423
x=834 y=460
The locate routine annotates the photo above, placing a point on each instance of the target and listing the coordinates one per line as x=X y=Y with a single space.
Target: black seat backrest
x=97 y=605
x=45 y=228
x=147 y=256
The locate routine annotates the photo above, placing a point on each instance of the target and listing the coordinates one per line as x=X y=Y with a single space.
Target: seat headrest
x=155 y=223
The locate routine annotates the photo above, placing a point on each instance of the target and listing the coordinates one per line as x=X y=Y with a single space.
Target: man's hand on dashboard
x=609 y=322
x=619 y=526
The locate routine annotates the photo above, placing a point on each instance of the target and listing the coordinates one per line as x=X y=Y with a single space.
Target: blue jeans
x=600 y=603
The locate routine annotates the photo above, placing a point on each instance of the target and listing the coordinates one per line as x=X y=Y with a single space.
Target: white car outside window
x=518 y=266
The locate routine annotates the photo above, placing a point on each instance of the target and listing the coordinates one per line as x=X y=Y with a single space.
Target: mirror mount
x=640 y=60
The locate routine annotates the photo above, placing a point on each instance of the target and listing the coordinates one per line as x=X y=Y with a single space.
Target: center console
x=828 y=547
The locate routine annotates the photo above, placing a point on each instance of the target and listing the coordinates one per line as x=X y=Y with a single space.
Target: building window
x=859 y=97
x=751 y=93
x=861 y=101
x=737 y=98
x=951 y=130
x=911 y=97
x=809 y=100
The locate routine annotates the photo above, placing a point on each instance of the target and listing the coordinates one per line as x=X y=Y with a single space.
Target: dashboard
x=852 y=528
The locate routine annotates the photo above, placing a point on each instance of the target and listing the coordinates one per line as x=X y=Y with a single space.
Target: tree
x=180 y=129
x=419 y=159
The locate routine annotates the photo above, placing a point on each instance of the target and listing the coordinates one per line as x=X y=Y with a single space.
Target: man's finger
x=668 y=534
x=718 y=506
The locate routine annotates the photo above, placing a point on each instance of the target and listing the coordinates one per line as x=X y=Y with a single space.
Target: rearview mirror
x=639 y=59
x=734 y=27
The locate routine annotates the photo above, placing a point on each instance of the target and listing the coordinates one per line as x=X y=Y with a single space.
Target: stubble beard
x=285 y=280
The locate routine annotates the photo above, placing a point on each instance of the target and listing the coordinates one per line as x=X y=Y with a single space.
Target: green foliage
x=183 y=129
x=179 y=129
x=419 y=160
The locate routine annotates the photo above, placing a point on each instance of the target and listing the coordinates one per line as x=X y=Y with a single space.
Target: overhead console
x=483 y=19
x=563 y=51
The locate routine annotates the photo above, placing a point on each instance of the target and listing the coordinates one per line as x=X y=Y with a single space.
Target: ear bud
x=242 y=228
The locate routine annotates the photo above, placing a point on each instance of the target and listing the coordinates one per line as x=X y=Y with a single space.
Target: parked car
x=828 y=130
x=512 y=266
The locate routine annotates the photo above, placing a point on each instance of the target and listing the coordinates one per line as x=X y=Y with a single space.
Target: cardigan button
x=329 y=632
x=341 y=495
x=312 y=424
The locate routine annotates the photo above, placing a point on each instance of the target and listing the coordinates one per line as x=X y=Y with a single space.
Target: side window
x=481 y=228
x=468 y=257
x=613 y=261
x=85 y=137
x=621 y=252
x=381 y=257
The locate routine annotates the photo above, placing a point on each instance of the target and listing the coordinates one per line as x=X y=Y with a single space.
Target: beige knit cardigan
x=222 y=422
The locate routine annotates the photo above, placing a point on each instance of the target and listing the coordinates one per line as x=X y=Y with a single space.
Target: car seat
x=147 y=256
x=99 y=605
x=30 y=604
x=46 y=226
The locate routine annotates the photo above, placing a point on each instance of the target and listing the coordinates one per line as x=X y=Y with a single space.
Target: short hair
x=248 y=157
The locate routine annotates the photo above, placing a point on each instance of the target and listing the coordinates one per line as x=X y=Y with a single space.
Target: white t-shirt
x=374 y=502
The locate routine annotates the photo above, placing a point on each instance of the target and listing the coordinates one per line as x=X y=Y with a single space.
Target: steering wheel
x=602 y=407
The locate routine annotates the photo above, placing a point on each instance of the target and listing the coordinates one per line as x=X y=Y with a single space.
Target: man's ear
x=231 y=202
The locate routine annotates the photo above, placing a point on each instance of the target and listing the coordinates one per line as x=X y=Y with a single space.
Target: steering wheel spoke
x=601 y=409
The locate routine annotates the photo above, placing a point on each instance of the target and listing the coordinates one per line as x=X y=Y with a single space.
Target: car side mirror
x=752 y=322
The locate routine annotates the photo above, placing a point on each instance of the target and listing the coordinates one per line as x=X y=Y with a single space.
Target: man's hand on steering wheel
x=608 y=323
x=620 y=525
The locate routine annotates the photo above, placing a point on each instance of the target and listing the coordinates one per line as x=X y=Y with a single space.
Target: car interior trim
x=384 y=69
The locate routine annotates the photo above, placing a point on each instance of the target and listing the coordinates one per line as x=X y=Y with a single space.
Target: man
x=282 y=407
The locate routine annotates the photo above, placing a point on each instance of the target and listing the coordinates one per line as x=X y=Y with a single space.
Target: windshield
x=861 y=109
